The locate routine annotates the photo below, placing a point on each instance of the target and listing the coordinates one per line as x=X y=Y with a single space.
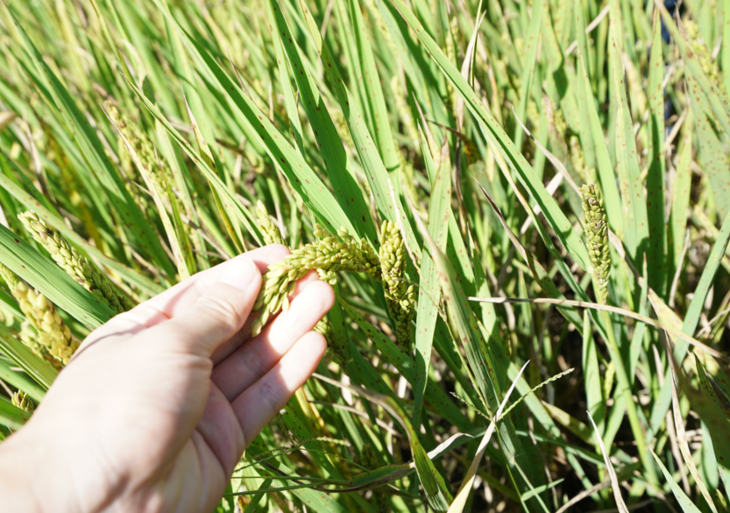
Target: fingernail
x=240 y=273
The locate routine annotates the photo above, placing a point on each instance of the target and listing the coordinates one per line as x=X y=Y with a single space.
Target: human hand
x=157 y=406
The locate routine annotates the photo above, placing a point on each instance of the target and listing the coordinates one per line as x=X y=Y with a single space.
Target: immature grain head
x=329 y=255
x=596 y=232
x=156 y=168
x=272 y=235
x=269 y=230
x=399 y=295
x=49 y=337
x=21 y=400
x=75 y=264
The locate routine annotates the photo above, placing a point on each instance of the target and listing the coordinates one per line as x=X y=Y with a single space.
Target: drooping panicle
x=329 y=255
x=75 y=264
x=271 y=233
x=596 y=233
x=45 y=332
x=156 y=168
x=399 y=295
x=21 y=400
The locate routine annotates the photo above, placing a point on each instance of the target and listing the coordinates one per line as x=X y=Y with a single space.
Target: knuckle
x=253 y=360
x=222 y=309
x=270 y=395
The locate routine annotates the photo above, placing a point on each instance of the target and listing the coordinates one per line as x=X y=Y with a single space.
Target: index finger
x=179 y=298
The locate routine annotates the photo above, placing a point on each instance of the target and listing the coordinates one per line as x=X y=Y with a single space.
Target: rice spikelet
x=269 y=230
x=596 y=233
x=399 y=295
x=75 y=264
x=328 y=256
x=21 y=400
x=49 y=338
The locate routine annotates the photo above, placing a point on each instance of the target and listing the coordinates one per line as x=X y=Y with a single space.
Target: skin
x=157 y=406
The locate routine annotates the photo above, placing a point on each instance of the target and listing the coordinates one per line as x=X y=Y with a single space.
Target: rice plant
x=485 y=183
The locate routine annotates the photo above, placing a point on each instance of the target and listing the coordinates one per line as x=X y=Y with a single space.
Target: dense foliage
x=565 y=160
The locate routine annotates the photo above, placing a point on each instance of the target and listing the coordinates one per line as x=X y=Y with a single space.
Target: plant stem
x=625 y=389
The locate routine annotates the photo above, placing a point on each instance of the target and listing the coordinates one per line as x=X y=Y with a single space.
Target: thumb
x=218 y=314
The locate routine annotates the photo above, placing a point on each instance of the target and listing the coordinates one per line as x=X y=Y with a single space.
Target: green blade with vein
x=51 y=280
x=712 y=152
x=684 y=502
x=528 y=67
x=583 y=93
x=655 y=187
x=11 y=416
x=93 y=152
x=302 y=178
x=725 y=54
x=280 y=33
x=131 y=275
x=606 y=173
x=429 y=292
x=635 y=220
x=373 y=92
x=20 y=380
x=555 y=216
x=386 y=199
x=340 y=168
x=38 y=369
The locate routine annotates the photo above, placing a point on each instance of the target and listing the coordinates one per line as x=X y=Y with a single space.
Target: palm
x=166 y=422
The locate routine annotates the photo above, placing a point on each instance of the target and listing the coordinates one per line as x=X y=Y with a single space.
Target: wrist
x=47 y=467
x=37 y=473
x=20 y=473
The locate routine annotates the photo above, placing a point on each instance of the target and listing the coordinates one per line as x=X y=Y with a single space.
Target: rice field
x=523 y=207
